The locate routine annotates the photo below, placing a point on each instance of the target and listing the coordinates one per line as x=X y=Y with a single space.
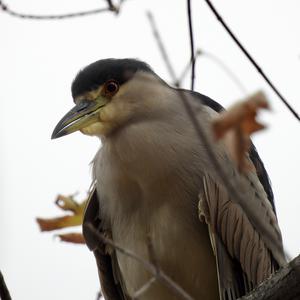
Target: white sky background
x=39 y=59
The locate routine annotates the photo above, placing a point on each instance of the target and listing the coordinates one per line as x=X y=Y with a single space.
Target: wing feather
x=237 y=242
x=109 y=274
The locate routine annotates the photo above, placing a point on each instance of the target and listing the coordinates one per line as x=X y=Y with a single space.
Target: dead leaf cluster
x=236 y=125
x=74 y=217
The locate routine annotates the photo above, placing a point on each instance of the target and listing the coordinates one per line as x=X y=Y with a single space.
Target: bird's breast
x=141 y=198
x=181 y=245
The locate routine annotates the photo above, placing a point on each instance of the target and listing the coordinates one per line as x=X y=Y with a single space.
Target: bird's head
x=108 y=93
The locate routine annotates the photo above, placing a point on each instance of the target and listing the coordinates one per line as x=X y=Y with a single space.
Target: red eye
x=111 y=87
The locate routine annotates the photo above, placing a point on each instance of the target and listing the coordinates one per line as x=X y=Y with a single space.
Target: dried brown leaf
x=237 y=124
x=75 y=238
x=74 y=218
x=49 y=224
x=69 y=204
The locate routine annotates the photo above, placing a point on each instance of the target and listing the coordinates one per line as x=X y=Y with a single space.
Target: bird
x=154 y=179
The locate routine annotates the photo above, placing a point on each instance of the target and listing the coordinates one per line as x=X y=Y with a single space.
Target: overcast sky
x=38 y=61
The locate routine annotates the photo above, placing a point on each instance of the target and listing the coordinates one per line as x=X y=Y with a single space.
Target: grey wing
x=247 y=251
x=109 y=274
x=246 y=238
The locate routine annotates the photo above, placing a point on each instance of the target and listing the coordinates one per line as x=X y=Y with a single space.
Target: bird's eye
x=111 y=87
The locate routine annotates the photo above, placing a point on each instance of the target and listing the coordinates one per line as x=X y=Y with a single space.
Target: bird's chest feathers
x=134 y=213
x=140 y=197
x=144 y=175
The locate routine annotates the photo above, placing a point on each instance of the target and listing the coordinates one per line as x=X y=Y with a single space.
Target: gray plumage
x=153 y=177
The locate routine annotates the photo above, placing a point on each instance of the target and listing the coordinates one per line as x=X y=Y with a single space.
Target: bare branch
x=143 y=289
x=220 y=63
x=284 y=284
x=254 y=63
x=188 y=66
x=152 y=256
x=4 y=292
x=161 y=47
x=110 y=4
x=13 y=13
x=99 y=295
x=114 y=245
x=160 y=276
x=193 y=58
x=226 y=69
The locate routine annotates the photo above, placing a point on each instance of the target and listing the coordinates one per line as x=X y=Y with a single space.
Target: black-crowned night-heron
x=150 y=174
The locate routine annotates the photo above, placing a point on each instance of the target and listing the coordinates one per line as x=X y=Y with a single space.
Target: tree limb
x=157 y=273
x=284 y=284
x=4 y=292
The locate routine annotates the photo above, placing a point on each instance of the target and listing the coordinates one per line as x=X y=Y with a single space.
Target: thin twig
x=13 y=13
x=4 y=292
x=188 y=66
x=193 y=58
x=110 y=5
x=226 y=69
x=220 y=63
x=152 y=256
x=161 y=276
x=258 y=68
x=143 y=289
x=99 y=295
x=114 y=245
x=113 y=7
x=161 y=46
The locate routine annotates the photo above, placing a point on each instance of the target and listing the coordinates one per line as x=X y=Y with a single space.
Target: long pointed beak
x=85 y=113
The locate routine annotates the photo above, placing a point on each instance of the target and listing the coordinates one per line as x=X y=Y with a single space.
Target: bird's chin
x=96 y=129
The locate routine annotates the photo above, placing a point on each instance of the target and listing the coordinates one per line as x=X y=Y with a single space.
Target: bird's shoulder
x=253 y=153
